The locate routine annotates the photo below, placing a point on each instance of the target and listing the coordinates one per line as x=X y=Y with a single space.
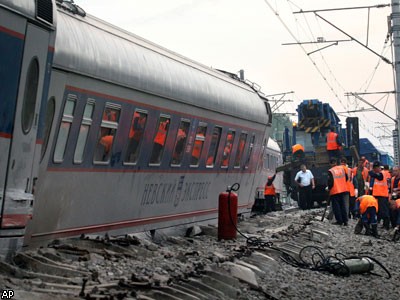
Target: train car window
x=159 y=139
x=260 y=163
x=108 y=130
x=180 y=143
x=84 y=131
x=267 y=162
x=65 y=126
x=198 y=145
x=250 y=151
x=212 y=152
x=29 y=103
x=240 y=149
x=136 y=131
x=50 y=110
x=230 y=137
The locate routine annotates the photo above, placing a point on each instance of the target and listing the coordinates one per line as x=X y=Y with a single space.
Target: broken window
x=198 y=145
x=136 y=131
x=180 y=143
x=230 y=137
x=250 y=151
x=108 y=130
x=240 y=149
x=212 y=152
x=159 y=140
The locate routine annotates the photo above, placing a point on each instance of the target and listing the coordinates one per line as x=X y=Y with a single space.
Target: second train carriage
x=134 y=137
x=272 y=158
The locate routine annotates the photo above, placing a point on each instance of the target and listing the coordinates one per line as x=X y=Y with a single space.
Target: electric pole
x=395 y=30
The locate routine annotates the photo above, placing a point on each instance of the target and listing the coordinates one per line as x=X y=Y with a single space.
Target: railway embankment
x=282 y=255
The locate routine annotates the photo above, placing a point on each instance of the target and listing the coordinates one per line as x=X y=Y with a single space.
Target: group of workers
x=368 y=192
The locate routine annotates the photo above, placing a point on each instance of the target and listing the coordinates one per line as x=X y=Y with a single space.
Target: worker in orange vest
x=368 y=207
x=107 y=142
x=333 y=144
x=380 y=190
x=135 y=135
x=159 y=141
x=297 y=152
x=269 y=194
x=198 y=146
x=227 y=153
x=360 y=174
x=394 y=198
x=337 y=187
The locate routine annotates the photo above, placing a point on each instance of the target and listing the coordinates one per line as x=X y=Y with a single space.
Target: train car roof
x=95 y=48
x=273 y=145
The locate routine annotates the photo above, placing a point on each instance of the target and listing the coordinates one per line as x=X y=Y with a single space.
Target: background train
x=103 y=131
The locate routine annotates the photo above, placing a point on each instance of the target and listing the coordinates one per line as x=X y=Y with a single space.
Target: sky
x=250 y=34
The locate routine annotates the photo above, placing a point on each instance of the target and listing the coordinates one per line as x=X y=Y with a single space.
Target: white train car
x=108 y=132
x=272 y=158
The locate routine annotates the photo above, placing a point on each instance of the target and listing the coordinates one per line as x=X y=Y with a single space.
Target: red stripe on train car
x=124 y=224
x=12 y=33
x=5 y=135
x=15 y=220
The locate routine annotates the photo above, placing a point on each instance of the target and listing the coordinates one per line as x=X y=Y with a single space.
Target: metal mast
x=395 y=29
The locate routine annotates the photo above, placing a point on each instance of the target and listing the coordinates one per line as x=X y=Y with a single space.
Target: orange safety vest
x=269 y=190
x=398 y=203
x=380 y=187
x=339 y=180
x=198 y=144
x=392 y=184
x=367 y=201
x=348 y=182
x=210 y=160
x=161 y=134
x=226 y=155
x=296 y=148
x=364 y=173
x=331 y=143
x=132 y=130
x=107 y=141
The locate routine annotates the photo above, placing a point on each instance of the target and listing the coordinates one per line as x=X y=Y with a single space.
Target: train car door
x=17 y=197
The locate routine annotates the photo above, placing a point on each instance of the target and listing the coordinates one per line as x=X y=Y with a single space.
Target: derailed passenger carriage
x=135 y=137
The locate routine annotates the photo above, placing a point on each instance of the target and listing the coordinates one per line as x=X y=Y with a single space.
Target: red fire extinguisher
x=227 y=213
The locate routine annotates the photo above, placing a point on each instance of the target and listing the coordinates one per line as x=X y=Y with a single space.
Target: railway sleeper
x=29 y=262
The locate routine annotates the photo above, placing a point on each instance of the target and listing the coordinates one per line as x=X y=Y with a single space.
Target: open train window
x=108 y=130
x=159 y=139
x=263 y=152
x=230 y=137
x=250 y=151
x=212 y=152
x=198 y=145
x=50 y=110
x=136 y=131
x=180 y=143
x=240 y=149
x=65 y=127
x=84 y=131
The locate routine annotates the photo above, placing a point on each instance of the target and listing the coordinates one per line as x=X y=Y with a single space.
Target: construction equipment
x=315 y=120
